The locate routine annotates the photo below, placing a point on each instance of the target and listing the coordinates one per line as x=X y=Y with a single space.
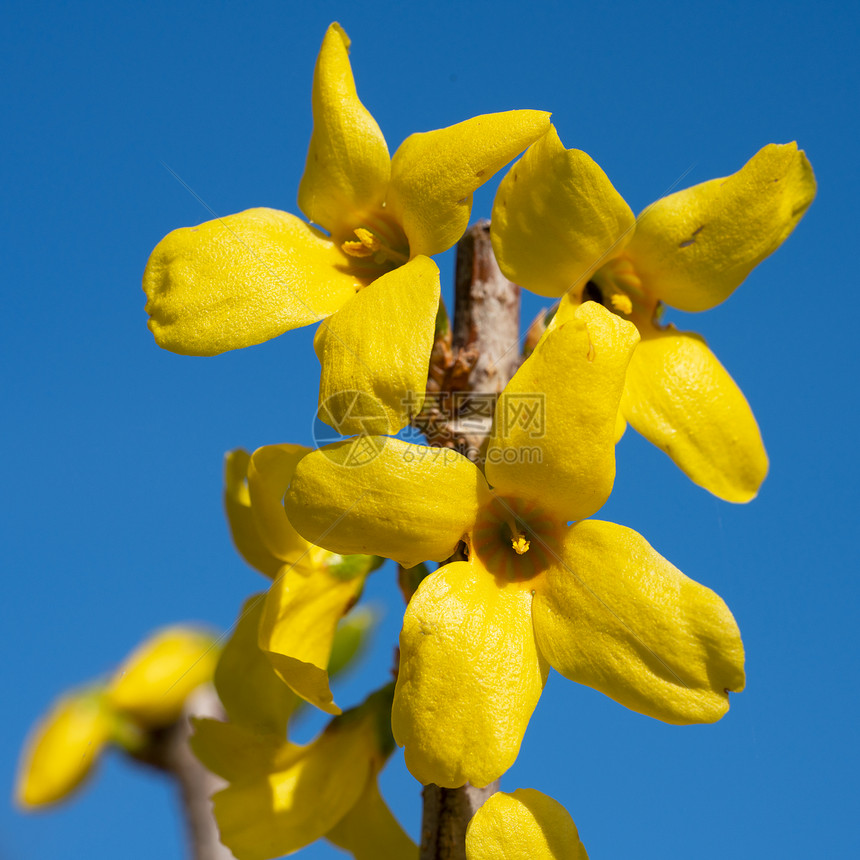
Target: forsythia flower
x=559 y=228
x=591 y=599
x=523 y=825
x=62 y=749
x=283 y=796
x=312 y=588
x=243 y=279
x=155 y=680
x=148 y=691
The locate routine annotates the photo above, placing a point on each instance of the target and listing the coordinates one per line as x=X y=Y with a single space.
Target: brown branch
x=486 y=313
x=472 y=365
x=447 y=813
x=168 y=751
x=471 y=373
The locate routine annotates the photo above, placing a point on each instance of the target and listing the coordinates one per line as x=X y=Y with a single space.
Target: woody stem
x=168 y=751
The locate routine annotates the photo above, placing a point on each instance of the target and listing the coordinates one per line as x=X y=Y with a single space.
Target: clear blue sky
x=111 y=513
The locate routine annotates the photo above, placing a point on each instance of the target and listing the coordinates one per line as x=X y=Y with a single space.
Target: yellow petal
x=386 y=497
x=557 y=219
x=615 y=615
x=248 y=687
x=375 y=352
x=369 y=831
x=270 y=471
x=265 y=816
x=554 y=434
x=234 y=751
x=434 y=174
x=680 y=398
x=470 y=677
x=693 y=248
x=620 y=423
x=524 y=825
x=243 y=523
x=241 y=280
x=348 y=166
x=155 y=680
x=298 y=625
x=62 y=749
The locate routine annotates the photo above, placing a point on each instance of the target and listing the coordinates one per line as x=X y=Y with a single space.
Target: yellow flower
x=592 y=599
x=523 y=825
x=312 y=588
x=283 y=796
x=151 y=686
x=147 y=692
x=278 y=788
x=62 y=749
x=245 y=278
x=559 y=228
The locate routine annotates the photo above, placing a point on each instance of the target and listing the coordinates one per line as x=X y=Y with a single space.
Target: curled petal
x=470 y=677
x=156 y=679
x=680 y=398
x=241 y=280
x=554 y=434
x=693 y=248
x=557 y=219
x=434 y=174
x=523 y=824
x=62 y=749
x=270 y=814
x=375 y=352
x=243 y=523
x=269 y=473
x=385 y=497
x=348 y=166
x=234 y=751
x=615 y=615
x=251 y=692
x=298 y=625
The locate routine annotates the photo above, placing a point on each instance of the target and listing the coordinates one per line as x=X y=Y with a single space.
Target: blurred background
x=112 y=515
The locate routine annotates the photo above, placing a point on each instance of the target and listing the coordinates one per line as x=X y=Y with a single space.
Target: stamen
x=356 y=249
x=369 y=244
x=621 y=303
x=618 y=287
x=368 y=239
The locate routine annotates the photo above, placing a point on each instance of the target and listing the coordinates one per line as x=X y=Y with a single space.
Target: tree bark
x=473 y=362
x=447 y=813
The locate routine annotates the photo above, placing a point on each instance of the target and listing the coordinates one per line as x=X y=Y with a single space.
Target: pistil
x=520 y=544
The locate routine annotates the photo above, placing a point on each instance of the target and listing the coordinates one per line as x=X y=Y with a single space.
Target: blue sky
x=112 y=516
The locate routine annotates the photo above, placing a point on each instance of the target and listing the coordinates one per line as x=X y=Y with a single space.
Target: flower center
x=619 y=289
x=513 y=539
x=379 y=242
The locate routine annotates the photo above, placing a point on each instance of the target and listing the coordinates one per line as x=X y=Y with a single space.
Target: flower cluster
x=526 y=579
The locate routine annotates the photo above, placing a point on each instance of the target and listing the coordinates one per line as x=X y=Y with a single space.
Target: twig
x=168 y=751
